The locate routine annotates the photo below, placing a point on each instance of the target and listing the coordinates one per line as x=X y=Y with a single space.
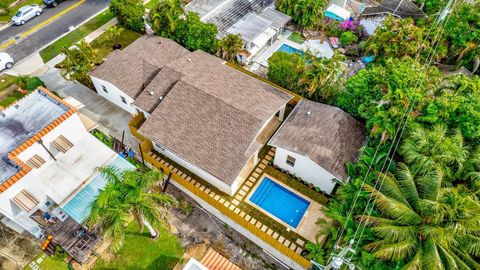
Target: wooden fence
x=147 y=147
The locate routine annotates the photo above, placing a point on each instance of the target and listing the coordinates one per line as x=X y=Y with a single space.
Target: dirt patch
x=16 y=249
x=196 y=226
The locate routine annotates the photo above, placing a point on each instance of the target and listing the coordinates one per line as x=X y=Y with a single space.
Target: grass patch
x=8 y=16
x=16 y=95
x=296 y=37
x=48 y=262
x=104 y=45
x=76 y=35
x=141 y=252
x=6 y=81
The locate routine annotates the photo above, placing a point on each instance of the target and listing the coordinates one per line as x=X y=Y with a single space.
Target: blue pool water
x=79 y=207
x=289 y=49
x=280 y=202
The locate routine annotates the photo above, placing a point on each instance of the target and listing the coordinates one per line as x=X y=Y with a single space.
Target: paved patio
x=238 y=205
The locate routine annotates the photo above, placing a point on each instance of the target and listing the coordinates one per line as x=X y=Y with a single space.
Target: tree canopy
x=129 y=193
x=305 y=13
x=383 y=94
x=129 y=13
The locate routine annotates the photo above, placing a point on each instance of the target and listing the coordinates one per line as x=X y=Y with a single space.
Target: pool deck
x=306 y=227
x=238 y=206
x=321 y=49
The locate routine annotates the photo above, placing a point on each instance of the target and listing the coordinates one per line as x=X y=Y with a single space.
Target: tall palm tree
x=129 y=193
x=426 y=225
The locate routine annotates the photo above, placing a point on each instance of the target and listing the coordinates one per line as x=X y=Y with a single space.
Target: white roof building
x=48 y=165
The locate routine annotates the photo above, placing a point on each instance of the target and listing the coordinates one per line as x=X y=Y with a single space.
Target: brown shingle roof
x=327 y=135
x=399 y=8
x=213 y=114
x=130 y=68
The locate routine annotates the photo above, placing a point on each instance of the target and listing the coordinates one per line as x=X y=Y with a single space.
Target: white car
x=6 y=61
x=26 y=13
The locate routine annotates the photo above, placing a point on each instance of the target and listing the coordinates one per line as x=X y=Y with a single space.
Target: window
x=290 y=161
x=123 y=100
x=36 y=161
x=104 y=89
x=62 y=144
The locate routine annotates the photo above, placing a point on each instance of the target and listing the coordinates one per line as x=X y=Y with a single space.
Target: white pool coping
x=262 y=177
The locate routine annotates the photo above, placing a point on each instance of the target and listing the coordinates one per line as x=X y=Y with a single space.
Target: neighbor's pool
x=280 y=202
x=289 y=49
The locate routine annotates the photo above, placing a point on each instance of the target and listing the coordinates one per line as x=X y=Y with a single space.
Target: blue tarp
x=79 y=206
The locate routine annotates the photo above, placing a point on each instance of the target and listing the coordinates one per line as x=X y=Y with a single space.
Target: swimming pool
x=79 y=206
x=289 y=49
x=280 y=202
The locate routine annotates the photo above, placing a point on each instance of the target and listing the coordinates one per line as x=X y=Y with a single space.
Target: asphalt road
x=36 y=40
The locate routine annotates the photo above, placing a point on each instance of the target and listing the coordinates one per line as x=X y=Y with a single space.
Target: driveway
x=111 y=119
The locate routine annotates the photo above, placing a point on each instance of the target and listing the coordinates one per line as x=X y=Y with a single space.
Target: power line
x=396 y=141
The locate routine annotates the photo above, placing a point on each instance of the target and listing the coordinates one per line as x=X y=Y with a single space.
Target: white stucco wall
x=306 y=169
x=114 y=95
x=239 y=228
x=45 y=183
x=196 y=170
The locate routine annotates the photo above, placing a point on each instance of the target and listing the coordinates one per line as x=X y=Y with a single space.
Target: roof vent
x=189 y=60
x=151 y=93
x=308 y=113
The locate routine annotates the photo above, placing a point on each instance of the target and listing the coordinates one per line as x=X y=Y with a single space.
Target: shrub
x=284 y=69
x=348 y=38
x=333 y=29
x=29 y=83
x=129 y=13
x=33 y=83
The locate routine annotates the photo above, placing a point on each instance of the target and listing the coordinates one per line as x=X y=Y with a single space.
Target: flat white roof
x=339 y=11
x=249 y=27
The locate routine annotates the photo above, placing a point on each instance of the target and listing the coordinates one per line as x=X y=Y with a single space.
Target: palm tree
x=324 y=78
x=426 y=150
x=129 y=193
x=230 y=46
x=165 y=17
x=305 y=13
x=426 y=225
x=113 y=33
x=78 y=62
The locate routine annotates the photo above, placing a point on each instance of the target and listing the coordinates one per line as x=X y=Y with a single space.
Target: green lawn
x=104 y=46
x=48 y=263
x=6 y=81
x=8 y=16
x=141 y=252
x=296 y=37
x=76 y=35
